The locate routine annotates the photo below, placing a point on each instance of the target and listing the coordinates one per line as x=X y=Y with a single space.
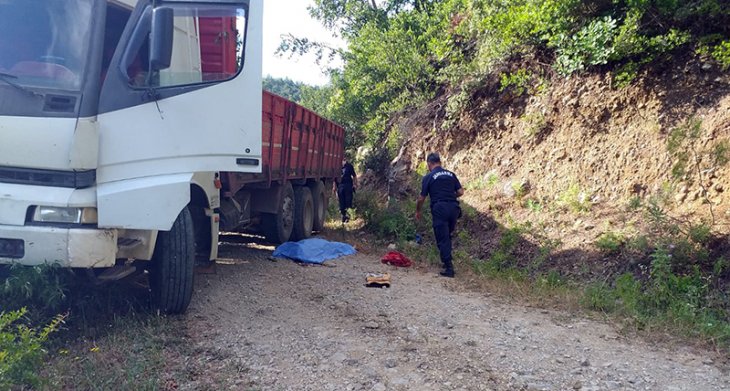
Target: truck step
x=116 y=273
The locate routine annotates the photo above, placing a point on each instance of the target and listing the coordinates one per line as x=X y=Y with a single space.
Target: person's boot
x=344 y=218
x=447 y=272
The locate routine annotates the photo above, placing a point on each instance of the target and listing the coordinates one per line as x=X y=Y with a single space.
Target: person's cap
x=433 y=158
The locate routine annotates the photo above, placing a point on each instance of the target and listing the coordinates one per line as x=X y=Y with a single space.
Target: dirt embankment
x=584 y=142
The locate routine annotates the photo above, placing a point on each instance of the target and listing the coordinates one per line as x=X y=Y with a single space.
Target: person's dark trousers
x=445 y=215
x=344 y=195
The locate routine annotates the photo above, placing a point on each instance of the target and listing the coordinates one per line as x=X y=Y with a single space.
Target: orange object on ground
x=377 y=280
x=396 y=259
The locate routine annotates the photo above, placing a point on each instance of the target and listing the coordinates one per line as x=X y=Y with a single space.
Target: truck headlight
x=52 y=214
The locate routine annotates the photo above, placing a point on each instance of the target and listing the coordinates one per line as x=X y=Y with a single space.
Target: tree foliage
x=286 y=88
x=400 y=53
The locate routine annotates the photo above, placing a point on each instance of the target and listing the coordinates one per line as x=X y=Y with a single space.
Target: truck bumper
x=76 y=248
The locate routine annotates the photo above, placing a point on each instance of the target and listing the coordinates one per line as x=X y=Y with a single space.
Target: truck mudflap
x=75 y=248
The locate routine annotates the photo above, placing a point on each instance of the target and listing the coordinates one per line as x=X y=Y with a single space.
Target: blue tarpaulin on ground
x=314 y=250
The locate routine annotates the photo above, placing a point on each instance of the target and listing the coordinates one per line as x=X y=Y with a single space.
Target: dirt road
x=289 y=327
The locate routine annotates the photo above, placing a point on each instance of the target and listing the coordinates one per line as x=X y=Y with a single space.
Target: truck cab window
x=208 y=43
x=44 y=43
x=116 y=19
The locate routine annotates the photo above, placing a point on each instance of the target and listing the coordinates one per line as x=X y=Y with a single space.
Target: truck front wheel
x=171 y=273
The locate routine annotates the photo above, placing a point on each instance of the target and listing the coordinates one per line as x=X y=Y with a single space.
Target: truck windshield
x=44 y=43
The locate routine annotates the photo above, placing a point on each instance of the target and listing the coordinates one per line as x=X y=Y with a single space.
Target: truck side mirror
x=161 y=38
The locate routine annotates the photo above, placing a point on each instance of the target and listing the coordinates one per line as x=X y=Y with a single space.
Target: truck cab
x=116 y=118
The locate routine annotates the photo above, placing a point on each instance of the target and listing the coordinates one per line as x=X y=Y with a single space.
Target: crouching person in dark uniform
x=346 y=186
x=444 y=188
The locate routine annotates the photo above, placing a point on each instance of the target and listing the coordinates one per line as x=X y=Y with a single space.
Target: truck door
x=160 y=124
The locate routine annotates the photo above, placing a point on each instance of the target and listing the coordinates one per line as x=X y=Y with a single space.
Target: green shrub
x=721 y=53
x=575 y=199
x=720 y=267
x=486 y=182
x=628 y=292
x=610 y=242
x=700 y=234
x=599 y=297
x=635 y=203
x=535 y=123
x=721 y=153
x=21 y=349
x=393 y=222
x=518 y=82
x=42 y=289
x=592 y=45
x=626 y=74
x=502 y=257
x=378 y=160
x=534 y=206
x=638 y=243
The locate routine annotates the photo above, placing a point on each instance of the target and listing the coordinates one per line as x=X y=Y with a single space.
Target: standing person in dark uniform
x=444 y=188
x=346 y=187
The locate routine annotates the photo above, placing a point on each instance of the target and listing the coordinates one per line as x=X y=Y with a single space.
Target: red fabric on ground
x=396 y=259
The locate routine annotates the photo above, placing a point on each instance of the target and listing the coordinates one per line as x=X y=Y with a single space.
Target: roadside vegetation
x=60 y=331
x=402 y=54
x=669 y=278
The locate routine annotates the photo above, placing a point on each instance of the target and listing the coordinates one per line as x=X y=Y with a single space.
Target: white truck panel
x=43 y=143
x=146 y=203
x=80 y=248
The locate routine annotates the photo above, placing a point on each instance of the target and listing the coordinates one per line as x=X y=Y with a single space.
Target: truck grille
x=29 y=176
x=12 y=248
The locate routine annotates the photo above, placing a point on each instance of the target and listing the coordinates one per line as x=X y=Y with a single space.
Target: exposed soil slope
x=586 y=139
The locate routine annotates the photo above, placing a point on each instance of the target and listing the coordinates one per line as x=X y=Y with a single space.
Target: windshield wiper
x=8 y=79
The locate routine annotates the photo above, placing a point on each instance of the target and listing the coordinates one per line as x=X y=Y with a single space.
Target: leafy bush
x=41 y=288
x=599 y=297
x=610 y=242
x=626 y=74
x=575 y=199
x=21 y=349
x=503 y=258
x=534 y=206
x=378 y=160
x=393 y=222
x=721 y=53
x=517 y=81
x=592 y=45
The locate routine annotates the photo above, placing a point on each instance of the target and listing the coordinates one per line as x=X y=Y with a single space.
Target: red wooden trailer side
x=297 y=144
x=301 y=154
x=301 y=157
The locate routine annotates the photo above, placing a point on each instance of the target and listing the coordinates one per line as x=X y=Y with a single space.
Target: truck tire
x=171 y=273
x=278 y=227
x=319 y=204
x=303 y=213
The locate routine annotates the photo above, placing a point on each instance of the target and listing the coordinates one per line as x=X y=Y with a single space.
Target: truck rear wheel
x=319 y=204
x=278 y=227
x=171 y=274
x=303 y=213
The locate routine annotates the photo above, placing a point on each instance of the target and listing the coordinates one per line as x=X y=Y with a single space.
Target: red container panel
x=296 y=144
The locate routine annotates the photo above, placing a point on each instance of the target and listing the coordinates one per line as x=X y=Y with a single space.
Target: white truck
x=131 y=132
